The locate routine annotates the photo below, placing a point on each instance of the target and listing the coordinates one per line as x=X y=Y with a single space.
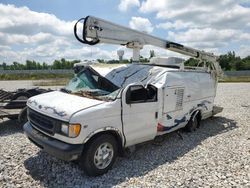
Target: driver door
x=140 y=113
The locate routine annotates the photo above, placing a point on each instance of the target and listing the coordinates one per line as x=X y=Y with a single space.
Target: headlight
x=71 y=130
x=65 y=129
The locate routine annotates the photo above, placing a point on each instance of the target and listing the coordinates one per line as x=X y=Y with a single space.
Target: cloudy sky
x=43 y=29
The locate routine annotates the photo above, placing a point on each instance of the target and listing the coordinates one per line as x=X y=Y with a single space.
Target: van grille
x=44 y=123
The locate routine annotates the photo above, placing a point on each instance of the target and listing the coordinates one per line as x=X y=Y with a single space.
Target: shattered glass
x=88 y=83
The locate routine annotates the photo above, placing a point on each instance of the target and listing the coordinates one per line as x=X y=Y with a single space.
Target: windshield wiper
x=87 y=94
x=65 y=90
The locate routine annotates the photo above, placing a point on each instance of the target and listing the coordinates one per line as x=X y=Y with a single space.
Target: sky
x=42 y=30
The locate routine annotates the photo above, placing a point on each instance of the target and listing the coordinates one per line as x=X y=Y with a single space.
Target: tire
x=22 y=117
x=13 y=117
x=21 y=96
x=192 y=125
x=99 y=155
x=18 y=105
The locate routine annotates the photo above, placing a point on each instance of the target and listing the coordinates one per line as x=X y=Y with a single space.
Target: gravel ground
x=216 y=155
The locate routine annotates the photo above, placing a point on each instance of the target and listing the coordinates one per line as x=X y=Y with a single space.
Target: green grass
x=235 y=79
x=61 y=79
x=34 y=76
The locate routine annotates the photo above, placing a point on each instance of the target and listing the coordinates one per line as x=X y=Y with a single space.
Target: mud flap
x=216 y=110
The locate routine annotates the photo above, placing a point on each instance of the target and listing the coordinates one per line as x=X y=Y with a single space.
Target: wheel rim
x=103 y=155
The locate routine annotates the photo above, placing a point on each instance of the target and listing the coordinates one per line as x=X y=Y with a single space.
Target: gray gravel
x=216 y=155
x=12 y=85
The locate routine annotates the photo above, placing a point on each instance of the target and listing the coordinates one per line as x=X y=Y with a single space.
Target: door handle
x=156 y=115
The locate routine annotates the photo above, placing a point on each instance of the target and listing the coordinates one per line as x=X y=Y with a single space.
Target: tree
x=246 y=63
x=227 y=61
x=191 y=62
x=56 y=64
x=45 y=66
x=143 y=60
x=113 y=61
x=100 y=61
x=28 y=65
x=4 y=66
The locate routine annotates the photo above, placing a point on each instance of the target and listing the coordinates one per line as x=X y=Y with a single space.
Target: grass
x=54 y=82
x=48 y=76
x=34 y=76
x=107 y=65
x=50 y=79
x=235 y=79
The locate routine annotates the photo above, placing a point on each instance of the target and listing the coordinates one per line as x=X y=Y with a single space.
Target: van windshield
x=90 y=84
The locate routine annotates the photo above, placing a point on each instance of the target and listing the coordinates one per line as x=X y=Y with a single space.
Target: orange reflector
x=74 y=130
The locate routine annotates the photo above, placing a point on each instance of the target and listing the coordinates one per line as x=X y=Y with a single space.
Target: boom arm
x=96 y=30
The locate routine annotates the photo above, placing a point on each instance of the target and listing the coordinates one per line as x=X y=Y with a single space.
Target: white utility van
x=102 y=111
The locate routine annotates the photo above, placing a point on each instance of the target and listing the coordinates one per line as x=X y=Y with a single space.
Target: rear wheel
x=193 y=124
x=99 y=155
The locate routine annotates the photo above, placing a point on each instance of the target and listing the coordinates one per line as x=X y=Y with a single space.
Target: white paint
x=62 y=103
x=139 y=120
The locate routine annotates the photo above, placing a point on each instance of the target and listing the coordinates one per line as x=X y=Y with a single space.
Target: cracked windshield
x=87 y=83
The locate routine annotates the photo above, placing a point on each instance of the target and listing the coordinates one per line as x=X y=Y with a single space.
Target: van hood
x=60 y=105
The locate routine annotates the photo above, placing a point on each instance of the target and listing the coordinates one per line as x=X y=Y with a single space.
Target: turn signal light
x=74 y=130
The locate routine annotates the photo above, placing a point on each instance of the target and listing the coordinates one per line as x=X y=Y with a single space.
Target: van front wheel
x=99 y=155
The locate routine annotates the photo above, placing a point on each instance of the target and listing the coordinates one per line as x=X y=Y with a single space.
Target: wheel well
x=112 y=133
x=198 y=116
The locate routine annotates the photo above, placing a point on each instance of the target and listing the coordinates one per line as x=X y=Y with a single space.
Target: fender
x=194 y=110
x=194 y=114
x=104 y=130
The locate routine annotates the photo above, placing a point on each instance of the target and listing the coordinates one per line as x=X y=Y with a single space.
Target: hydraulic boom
x=96 y=30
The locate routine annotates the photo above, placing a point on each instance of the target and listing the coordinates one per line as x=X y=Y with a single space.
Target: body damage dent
x=194 y=110
x=177 y=122
x=200 y=106
x=59 y=113
x=203 y=104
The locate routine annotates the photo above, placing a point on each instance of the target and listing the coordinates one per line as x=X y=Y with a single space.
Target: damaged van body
x=132 y=104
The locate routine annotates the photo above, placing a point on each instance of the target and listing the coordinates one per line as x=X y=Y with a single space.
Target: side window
x=140 y=94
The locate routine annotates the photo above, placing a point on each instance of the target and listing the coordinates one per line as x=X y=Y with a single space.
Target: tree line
x=228 y=62
x=34 y=65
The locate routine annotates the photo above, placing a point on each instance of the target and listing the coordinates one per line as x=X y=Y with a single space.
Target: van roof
x=131 y=73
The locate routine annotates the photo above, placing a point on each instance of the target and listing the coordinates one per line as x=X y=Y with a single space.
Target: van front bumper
x=57 y=148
